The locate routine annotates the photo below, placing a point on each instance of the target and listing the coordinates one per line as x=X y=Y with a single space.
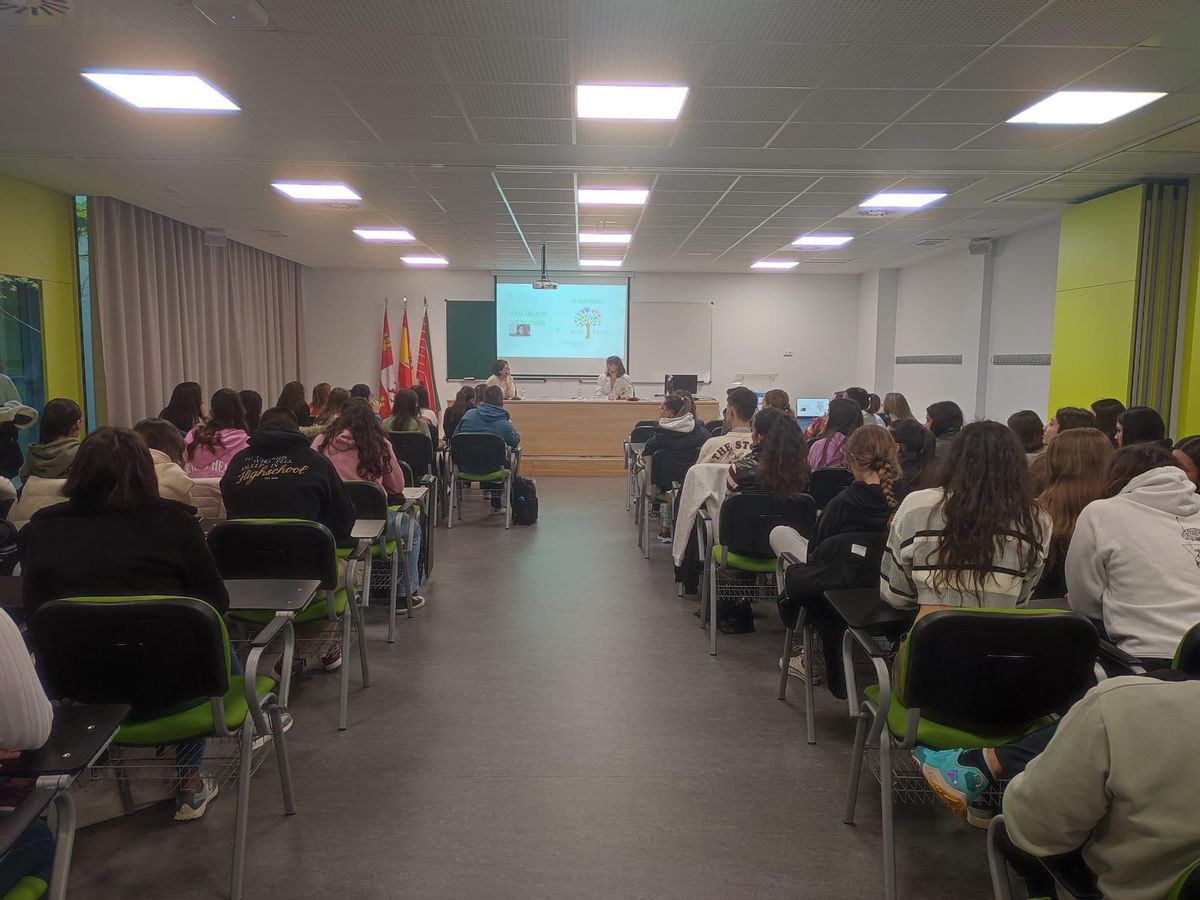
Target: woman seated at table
x=116 y=537
x=614 y=383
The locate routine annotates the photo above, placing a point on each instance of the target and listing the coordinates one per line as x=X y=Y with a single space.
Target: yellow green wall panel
x=37 y=240
x=1096 y=299
x=1189 y=366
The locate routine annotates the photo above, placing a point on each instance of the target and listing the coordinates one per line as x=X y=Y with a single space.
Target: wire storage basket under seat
x=909 y=785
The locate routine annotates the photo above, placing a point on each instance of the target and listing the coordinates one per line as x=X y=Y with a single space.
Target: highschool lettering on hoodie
x=268 y=467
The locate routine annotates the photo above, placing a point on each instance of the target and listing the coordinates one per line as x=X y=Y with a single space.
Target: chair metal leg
x=400 y=571
x=344 y=675
x=242 y=813
x=281 y=759
x=856 y=763
x=506 y=486
x=712 y=609
x=788 y=637
x=64 y=843
x=391 y=638
x=360 y=625
x=889 y=824
x=997 y=867
x=127 y=805
x=810 y=691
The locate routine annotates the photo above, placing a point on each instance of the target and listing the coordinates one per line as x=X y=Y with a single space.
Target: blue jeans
x=189 y=753
x=399 y=524
x=31 y=856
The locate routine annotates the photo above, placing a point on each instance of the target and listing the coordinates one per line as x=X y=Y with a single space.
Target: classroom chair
x=998 y=673
x=715 y=428
x=419 y=453
x=484 y=458
x=631 y=451
x=371 y=502
x=827 y=482
x=661 y=477
x=849 y=560
x=1187 y=655
x=159 y=653
x=738 y=559
x=296 y=548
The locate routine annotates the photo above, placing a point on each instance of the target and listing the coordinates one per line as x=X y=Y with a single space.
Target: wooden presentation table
x=582 y=437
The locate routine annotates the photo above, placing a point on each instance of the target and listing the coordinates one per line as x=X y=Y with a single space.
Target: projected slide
x=568 y=331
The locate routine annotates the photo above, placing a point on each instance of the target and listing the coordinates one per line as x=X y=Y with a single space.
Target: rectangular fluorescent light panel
x=385 y=234
x=315 y=191
x=605 y=237
x=822 y=241
x=613 y=196
x=775 y=264
x=900 y=200
x=629 y=101
x=1084 y=107
x=424 y=261
x=162 y=91
x=602 y=263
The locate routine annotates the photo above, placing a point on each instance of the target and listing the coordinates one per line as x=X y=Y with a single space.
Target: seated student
x=210 y=445
x=978 y=541
x=166 y=451
x=252 y=404
x=49 y=461
x=614 y=383
x=292 y=398
x=463 y=400
x=914 y=451
x=863 y=400
x=480 y=391
x=875 y=408
x=1137 y=425
x=114 y=537
x=406 y=414
x=1027 y=425
x=15 y=417
x=502 y=378
x=677 y=429
x=866 y=506
x=1065 y=418
x=427 y=415
x=777 y=399
x=279 y=476
x=1187 y=454
x=185 y=409
x=945 y=420
x=895 y=408
x=829 y=447
x=490 y=417
x=1134 y=561
x=776 y=463
x=320 y=396
x=735 y=441
x=1076 y=474
x=1106 y=412
x=335 y=405
x=25 y=719
x=358 y=448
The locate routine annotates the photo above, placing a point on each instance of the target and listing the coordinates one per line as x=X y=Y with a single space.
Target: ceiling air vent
x=36 y=11
x=930 y=242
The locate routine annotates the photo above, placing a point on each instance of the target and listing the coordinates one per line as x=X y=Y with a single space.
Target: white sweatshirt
x=25 y=713
x=1134 y=563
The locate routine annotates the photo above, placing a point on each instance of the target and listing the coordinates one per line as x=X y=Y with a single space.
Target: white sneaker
x=797 y=668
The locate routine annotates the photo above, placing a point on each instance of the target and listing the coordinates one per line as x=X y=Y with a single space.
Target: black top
x=157 y=548
x=450 y=421
x=859 y=508
x=666 y=439
x=278 y=476
x=744 y=472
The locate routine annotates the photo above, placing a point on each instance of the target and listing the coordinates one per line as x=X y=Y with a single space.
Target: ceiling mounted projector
x=544 y=283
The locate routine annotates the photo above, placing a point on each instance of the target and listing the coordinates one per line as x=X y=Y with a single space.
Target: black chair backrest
x=998 y=667
x=715 y=427
x=153 y=653
x=478 y=453
x=641 y=434
x=1187 y=657
x=282 y=548
x=415 y=449
x=827 y=482
x=670 y=466
x=747 y=519
x=857 y=552
x=433 y=435
x=646 y=422
x=369 y=499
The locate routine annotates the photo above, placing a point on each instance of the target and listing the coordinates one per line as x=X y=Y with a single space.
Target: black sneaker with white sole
x=190 y=805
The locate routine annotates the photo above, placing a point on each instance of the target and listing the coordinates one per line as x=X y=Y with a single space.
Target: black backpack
x=524 y=501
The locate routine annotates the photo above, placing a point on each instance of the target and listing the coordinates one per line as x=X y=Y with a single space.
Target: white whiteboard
x=670 y=338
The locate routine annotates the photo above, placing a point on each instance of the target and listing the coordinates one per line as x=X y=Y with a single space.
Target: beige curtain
x=173 y=310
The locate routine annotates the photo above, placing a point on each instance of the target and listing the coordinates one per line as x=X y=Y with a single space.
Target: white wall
x=756 y=318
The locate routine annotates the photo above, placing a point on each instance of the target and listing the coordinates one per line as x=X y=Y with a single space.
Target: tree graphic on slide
x=587 y=317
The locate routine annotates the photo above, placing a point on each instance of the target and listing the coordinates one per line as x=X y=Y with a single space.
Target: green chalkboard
x=470 y=338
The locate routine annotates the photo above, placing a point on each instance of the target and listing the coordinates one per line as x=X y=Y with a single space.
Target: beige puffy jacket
x=36 y=494
x=206 y=497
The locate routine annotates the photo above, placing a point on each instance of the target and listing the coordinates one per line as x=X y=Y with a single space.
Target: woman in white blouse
x=614 y=383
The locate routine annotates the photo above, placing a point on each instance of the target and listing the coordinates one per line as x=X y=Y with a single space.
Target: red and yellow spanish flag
x=387 y=372
x=405 y=375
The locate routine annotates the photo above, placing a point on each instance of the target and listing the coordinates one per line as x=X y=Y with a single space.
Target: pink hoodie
x=343 y=453
x=212 y=463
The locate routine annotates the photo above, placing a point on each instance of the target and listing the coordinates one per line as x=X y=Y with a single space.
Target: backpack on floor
x=524 y=501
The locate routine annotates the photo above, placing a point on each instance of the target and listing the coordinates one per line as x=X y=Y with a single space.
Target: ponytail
x=873 y=448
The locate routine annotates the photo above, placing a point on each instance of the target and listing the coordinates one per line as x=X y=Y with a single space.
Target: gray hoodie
x=50 y=460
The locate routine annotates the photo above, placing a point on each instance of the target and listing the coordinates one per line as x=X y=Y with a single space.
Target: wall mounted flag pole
x=425 y=374
x=387 y=372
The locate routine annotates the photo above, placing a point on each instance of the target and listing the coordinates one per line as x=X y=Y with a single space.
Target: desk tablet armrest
x=269 y=631
x=360 y=550
x=1111 y=653
x=14 y=824
x=427 y=480
x=868 y=645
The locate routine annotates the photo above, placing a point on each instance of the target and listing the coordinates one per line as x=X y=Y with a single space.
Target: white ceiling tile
x=925 y=137
x=399 y=98
x=489 y=18
x=596 y=131
x=949 y=21
x=709 y=104
x=1030 y=68
x=523 y=131
x=724 y=134
x=368 y=56
x=830 y=137
x=769 y=65
x=553 y=180
x=1101 y=23
x=953 y=107
x=413 y=130
x=881 y=106
x=1183 y=139
x=810 y=22
x=316 y=128
x=1026 y=137
x=638 y=61
x=898 y=65
x=517 y=101
x=693 y=182
x=682 y=20
x=527 y=61
x=1145 y=69
x=321 y=16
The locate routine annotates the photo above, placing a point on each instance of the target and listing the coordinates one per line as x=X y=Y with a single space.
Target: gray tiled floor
x=550 y=726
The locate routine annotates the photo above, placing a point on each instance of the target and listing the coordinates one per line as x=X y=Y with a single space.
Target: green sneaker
x=958 y=786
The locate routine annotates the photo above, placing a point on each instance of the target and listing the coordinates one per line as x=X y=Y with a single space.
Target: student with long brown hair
x=895 y=407
x=186 y=406
x=843 y=418
x=1076 y=474
x=1107 y=411
x=212 y=444
x=406 y=414
x=977 y=541
x=292 y=399
x=776 y=464
x=463 y=400
x=320 y=396
x=915 y=447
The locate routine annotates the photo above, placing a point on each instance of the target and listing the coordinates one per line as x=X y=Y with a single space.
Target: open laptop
x=809 y=409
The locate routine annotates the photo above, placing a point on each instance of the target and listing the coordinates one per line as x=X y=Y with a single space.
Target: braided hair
x=873 y=449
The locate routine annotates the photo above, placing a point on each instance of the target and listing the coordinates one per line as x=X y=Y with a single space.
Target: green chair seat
x=939 y=736
x=195 y=721
x=1182 y=882
x=315 y=611
x=490 y=476
x=744 y=563
x=28 y=888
